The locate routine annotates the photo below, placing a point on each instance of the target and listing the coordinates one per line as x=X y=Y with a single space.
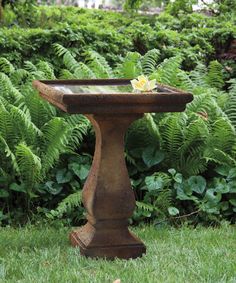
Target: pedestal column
x=107 y=194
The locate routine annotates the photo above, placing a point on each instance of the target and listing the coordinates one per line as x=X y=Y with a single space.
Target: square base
x=128 y=247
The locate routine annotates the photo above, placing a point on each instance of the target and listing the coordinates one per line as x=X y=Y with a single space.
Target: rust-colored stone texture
x=107 y=194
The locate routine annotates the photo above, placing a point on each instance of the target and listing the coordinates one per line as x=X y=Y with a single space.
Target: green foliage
x=32 y=135
x=39 y=145
x=149 y=61
x=230 y=108
x=193 y=36
x=190 y=142
x=132 y=4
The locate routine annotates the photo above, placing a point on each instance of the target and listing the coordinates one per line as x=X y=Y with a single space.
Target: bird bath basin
x=108 y=198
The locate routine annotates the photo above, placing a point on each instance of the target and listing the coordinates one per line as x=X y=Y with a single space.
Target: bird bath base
x=107 y=195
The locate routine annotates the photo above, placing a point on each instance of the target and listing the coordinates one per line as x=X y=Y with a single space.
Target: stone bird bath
x=108 y=198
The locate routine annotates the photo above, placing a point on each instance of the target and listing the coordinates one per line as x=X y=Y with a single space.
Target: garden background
x=179 y=163
x=182 y=165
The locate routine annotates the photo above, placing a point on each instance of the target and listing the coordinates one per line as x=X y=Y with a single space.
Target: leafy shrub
x=33 y=135
x=195 y=142
x=38 y=172
x=195 y=37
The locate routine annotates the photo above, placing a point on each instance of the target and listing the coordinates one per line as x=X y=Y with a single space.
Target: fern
x=8 y=91
x=19 y=77
x=142 y=133
x=172 y=137
x=167 y=72
x=66 y=205
x=219 y=157
x=145 y=206
x=231 y=103
x=29 y=165
x=24 y=128
x=66 y=75
x=195 y=136
x=68 y=58
x=130 y=67
x=47 y=69
x=223 y=135
x=198 y=75
x=84 y=72
x=5 y=66
x=214 y=76
x=7 y=128
x=149 y=61
x=194 y=133
x=54 y=142
x=81 y=70
x=9 y=156
x=201 y=103
x=79 y=126
x=30 y=67
x=40 y=111
x=99 y=65
x=184 y=81
x=163 y=201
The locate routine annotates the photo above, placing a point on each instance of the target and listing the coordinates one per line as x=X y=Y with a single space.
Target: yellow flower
x=142 y=84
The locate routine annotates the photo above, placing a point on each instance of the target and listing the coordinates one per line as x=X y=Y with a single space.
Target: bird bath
x=108 y=198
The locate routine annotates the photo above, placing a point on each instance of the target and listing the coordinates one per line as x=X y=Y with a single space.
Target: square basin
x=110 y=96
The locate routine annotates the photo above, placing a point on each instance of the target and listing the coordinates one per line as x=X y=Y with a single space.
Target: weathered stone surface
x=107 y=193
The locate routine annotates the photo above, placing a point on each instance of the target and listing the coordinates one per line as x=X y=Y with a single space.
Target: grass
x=35 y=255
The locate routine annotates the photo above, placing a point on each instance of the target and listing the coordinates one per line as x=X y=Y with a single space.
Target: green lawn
x=35 y=255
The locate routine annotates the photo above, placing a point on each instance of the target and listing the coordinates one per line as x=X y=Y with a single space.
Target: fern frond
x=152 y=127
x=40 y=111
x=84 y=72
x=145 y=206
x=184 y=81
x=79 y=126
x=99 y=65
x=33 y=72
x=149 y=61
x=167 y=72
x=8 y=91
x=9 y=155
x=193 y=163
x=223 y=135
x=163 y=201
x=54 y=142
x=7 y=127
x=47 y=69
x=66 y=205
x=130 y=67
x=214 y=76
x=195 y=133
x=19 y=77
x=198 y=75
x=25 y=129
x=66 y=75
x=30 y=67
x=201 y=103
x=142 y=133
x=68 y=58
x=5 y=66
x=232 y=87
x=29 y=165
x=171 y=138
x=219 y=157
x=231 y=103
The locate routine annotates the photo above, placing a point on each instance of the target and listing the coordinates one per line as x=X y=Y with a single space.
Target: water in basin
x=93 y=89
x=96 y=89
